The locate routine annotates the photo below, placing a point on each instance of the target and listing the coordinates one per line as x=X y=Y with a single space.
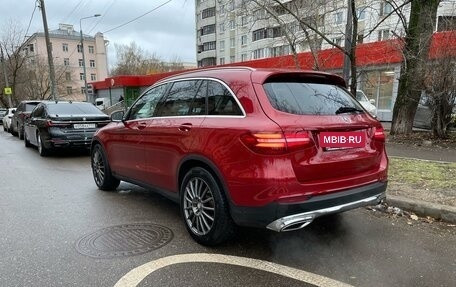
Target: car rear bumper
x=291 y=216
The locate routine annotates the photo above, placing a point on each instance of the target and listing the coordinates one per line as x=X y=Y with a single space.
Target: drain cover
x=124 y=240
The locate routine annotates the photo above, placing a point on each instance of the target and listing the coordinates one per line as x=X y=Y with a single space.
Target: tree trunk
x=423 y=15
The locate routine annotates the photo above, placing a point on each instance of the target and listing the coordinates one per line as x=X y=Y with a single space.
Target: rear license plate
x=84 y=126
x=337 y=140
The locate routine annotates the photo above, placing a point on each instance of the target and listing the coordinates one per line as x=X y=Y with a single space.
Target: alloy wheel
x=199 y=206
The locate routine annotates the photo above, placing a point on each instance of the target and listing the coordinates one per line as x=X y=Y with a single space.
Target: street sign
x=8 y=91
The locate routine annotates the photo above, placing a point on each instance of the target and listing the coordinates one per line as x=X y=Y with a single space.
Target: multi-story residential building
x=68 y=60
x=231 y=31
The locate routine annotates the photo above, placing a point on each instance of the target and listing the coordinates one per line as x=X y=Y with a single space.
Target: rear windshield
x=73 y=109
x=309 y=98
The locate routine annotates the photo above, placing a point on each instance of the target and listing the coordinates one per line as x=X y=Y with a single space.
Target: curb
x=422 y=208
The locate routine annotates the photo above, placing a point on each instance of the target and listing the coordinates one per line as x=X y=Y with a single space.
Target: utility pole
x=6 y=77
x=49 y=52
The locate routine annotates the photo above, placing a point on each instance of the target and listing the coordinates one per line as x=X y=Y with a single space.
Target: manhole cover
x=124 y=240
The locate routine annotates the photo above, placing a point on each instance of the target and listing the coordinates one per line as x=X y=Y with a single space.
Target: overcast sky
x=168 y=31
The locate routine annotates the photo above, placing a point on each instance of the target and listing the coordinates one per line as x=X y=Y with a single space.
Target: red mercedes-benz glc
x=241 y=146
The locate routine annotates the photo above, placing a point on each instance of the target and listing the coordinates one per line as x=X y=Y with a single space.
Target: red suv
x=241 y=146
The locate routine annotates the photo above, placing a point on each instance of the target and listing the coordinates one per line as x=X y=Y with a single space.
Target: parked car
x=2 y=114
x=60 y=124
x=369 y=105
x=7 y=119
x=423 y=114
x=23 y=110
x=253 y=147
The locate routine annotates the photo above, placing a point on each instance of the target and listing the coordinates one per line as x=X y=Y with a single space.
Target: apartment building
x=240 y=30
x=68 y=60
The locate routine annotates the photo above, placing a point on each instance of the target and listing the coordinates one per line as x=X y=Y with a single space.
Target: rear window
x=29 y=107
x=73 y=109
x=308 y=98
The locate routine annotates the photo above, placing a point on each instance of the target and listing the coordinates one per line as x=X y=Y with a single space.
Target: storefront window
x=378 y=85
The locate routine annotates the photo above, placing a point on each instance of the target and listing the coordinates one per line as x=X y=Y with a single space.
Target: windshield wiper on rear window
x=343 y=110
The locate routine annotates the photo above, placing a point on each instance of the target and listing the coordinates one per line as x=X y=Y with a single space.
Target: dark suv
x=23 y=111
x=253 y=147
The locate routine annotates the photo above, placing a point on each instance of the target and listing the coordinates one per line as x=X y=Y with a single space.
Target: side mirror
x=372 y=101
x=117 y=116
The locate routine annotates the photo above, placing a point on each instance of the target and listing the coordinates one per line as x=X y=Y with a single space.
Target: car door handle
x=185 y=127
x=142 y=125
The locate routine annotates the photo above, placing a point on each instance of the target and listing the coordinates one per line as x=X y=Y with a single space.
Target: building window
x=232 y=59
x=81 y=76
x=222 y=45
x=232 y=42
x=66 y=61
x=232 y=24
x=244 y=20
x=91 y=50
x=244 y=40
x=69 y=90
x=212 y=61
x=209 y=29
x=258 y=53
x=361 y=13
x=92 y=63
x=360 y=38
x=68 y=76
x=222 y=27
x=83 y=90
x=81 y=63
x=338 y=18
x=209 y=46
x=383 y=35
x=65 y=47
x=209 y=12
x=93 y=77
x=79 y=48
x=222 y=61
x=385 y=8
x=338 y=41
x=244 y=57
x=31 y=48
x=259 y=14
x=262 y=34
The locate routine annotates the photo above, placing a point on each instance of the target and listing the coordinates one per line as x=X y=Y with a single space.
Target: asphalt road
x=50 y=207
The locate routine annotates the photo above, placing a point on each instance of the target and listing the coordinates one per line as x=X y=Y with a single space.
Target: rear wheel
x=204 y=208
x=101 y=170
x=42 y=150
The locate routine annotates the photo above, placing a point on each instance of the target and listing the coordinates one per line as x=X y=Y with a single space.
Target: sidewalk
x=424 y=152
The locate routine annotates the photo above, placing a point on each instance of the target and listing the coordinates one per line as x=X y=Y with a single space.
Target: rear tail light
x=50 y=123
x=276 y=143
x=379 y=134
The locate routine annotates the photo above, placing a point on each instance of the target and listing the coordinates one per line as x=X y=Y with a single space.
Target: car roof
x=257 y=75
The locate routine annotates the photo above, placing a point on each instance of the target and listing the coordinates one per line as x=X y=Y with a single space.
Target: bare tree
x=12 y=41
x=133 y=60
x=440 y=89
x=419 y=32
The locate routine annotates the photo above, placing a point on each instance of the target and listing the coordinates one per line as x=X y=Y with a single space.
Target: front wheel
x=26 y=141
x=204 y=208
x=101 y=170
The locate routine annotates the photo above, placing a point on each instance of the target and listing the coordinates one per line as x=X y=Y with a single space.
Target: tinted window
x=308 y=98
x=145 y=106
x=30 y=107
x=198 y=106
x=179 y=99
x=221 y=101
x=73 y=109
x=38 y=112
